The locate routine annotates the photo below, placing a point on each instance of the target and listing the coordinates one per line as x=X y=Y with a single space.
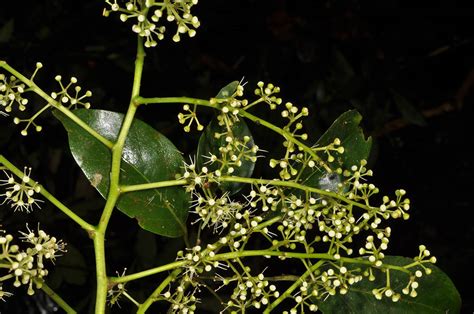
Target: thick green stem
x=56 y=298
x=114 y=188
x=100 y=262
x=84 y=225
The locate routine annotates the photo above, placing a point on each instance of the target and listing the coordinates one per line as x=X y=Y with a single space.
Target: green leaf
x=208 y=144
x=71 y=267
x=356 y=148
x=147 y=157
x=6 y=31
x=227 y=90
x=436 y=294
x=408 y=111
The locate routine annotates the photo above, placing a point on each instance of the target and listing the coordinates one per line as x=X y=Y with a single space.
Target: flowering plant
x=319 y=209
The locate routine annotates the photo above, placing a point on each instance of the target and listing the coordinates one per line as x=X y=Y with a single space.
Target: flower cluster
x=190 y=116
x=12 y=92
x=27 y=267
x=147 y=16
x=20 y=195
x=295 y=215
x=250 y=291
x=267 y=94
x=71 y=99
x=216 y=211
x=117 y=291
x=181 y=302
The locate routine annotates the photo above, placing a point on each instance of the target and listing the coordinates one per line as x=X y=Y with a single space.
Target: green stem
x=153 y=185
x=295 y=185
x=114 y=188
x=84 y=225
x=287 y=135
x=171 y=100
x=56 y=298
x=99 y=251
x=202 y=102
x=149 y=301
x=249 y=253
x=292 y=288
x=146 y=273
x=32 y=85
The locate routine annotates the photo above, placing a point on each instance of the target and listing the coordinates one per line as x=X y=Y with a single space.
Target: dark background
x=409 y=69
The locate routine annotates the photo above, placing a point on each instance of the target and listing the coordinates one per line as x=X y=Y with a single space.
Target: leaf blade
x=161 y=211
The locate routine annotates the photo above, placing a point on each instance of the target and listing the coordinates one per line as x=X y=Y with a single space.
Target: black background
x=328 y=55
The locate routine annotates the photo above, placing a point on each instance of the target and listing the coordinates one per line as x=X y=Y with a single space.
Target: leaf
x=147 y=157
x=436 y=294
x=356 y=148
x=6 y=31
x=227 y=90
x=208 y=144
x=70 y=267
x=408 y=111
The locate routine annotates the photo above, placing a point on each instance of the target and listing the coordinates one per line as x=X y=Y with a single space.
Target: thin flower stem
x=292 y=288
x=171 y=100
x=84 y=225
x=249 y=253
x=202 y=102
x=56 y=298
x=152 y=185
x=293 y=185
x=128 y=296
x=32 y=85
x=287 y=135
x=149 y=301
x=146 y=273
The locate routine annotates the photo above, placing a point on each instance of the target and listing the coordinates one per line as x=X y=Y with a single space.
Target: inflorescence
x=13 y=90
x=27 y=266
x=20 y=195
x=147 y=16
x=293 y=217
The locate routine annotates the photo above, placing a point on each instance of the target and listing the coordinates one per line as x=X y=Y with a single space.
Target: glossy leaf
x=436 y=294
x=208 y=144
x=71 y=267
x=356 y=148
x=408 y=111
x=147 y=157
x=227 y=90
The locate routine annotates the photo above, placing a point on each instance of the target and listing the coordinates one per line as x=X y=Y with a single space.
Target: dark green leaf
x=148 y=156
x=208 y=144
x=436 y=294
x=356 y=148
x=146 y=248
x=227 y=90
x=6 y=31
x=408 y=111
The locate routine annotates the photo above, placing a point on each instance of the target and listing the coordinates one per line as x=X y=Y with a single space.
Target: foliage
x=320 y=210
